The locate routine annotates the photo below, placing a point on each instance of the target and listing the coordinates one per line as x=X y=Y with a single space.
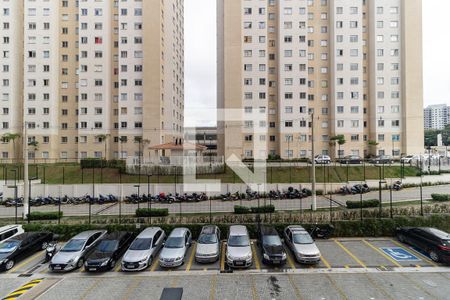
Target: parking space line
x=383 y=254
x=118 y=267
x=255 y=257
x=417 y=284
x=25 y=262
x=154 y=265
x=378 y=287
x=191 y=258
x=174 y=282
x=131 y=287
x=296 y=289
x=212 y=293
x=90 y=289
x=325 y=262
x=222 y=258
x=338 y=289
x=416 y=252
x=254 y=292
x=351 y=254
x=22 y=290
x=290 y=260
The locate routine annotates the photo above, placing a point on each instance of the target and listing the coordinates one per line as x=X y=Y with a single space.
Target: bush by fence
x=240 y=210
x=39 y=216
x=154 y=212
x=363 y=204
x=103 y=163
x=440 y=197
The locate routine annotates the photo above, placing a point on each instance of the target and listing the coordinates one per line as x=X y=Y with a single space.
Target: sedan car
x=22 y=246
x=9 y=231
x=73 y=254
x=322 y=159
x=143 y=249
x=108 y=252
x=434 y=242
x=208 y=245
x=409 y=159
x=239 y=251
x=382 y=159
x=271 y=246
x=351 y=160
x=301 y=244
x=175 y=248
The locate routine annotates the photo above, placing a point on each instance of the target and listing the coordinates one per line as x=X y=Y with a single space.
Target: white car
x=409 y=159
x=301 y=244
x=322 y=159
x=175 y=248
x=239 y=251
x=9 y=231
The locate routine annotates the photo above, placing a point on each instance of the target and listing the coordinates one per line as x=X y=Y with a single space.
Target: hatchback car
x=9 y=231
x=143 y=249
x=208 y=245
x=351 y=160
x=108 y=251
x=322 y=159
x=73 y=254
x=271 y=246
x=175 y=248
x=239 y=251
x=21 y=246
x=301 y=244
x=434 y=242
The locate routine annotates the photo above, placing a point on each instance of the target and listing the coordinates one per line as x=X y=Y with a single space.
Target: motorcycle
x=51 y=249
x=398 y=185
x=322 y=232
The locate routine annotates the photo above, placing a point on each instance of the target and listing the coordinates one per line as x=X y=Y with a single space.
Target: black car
x=434 y=242
x=22 y=246
x=271 y=246
x=108 y=251
x=382 y=159
x=351 y=160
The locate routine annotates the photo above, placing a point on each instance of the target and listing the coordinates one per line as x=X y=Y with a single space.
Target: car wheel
x=150 y=261
x=80 y=263
x=44 y=245
x=434 y=256
x=9 y=265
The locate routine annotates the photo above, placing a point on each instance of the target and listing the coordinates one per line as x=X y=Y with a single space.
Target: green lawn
x=73 y=174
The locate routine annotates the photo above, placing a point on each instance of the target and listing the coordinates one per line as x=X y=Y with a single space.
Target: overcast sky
x=200 y=61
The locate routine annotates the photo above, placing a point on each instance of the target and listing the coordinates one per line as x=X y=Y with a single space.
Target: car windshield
x=302 y=238
x=141 y=244
x=174 y=242
x=107 y=246
x=238 y=241
x=9 y=246
x=73 y=246
x=207 y=239
x=271 y=240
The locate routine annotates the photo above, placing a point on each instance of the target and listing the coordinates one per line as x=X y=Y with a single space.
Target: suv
x=239 y=251
x=301 y=244
x=7 y=232
x=351 y=160
x=271 y=246
x=322 y=159
x=208 y=245
x=175 y=248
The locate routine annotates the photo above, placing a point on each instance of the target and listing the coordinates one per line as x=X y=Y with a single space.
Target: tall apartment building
x=89 y=78
x=356 y=66
x=436 y=116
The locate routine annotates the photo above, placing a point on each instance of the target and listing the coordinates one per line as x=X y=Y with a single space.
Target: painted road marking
x=337 y=288
x=154 y=265
x=191 y=258
x=254 y=292
x=351 y=254
x=255 y=258
x=383 y=254
x=420 y=254
x=22 y=290
x=212 y=293
x=296 y=289
x=290 y=260
x=135 y=283
x=222 y=258
x=325 y=262
x=25 y=262
x=399 y=254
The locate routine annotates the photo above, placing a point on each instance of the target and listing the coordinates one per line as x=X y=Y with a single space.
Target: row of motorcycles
x=166 y=198
x=291 y=193
x=364 y=188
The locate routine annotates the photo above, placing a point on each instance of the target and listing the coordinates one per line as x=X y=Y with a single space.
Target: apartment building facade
x=332 y=67
x=436 y=116
x=101 y=78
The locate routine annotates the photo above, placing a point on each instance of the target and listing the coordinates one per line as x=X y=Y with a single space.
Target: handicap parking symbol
x=399 y=254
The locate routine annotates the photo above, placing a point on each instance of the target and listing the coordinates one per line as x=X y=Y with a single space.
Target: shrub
x=440 y=197
x=263 y=209
x=38 y=215
x=102 y=163
x=365 y=204
x=154 y=212
x=240 y=210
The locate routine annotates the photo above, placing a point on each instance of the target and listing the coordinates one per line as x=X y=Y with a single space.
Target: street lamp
x=138 y=186
x=149 y=202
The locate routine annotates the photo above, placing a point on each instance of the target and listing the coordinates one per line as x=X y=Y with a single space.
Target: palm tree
x=373 y=144
x=340 y=140
x=122 y=139
x=11 y=137
x=35 y=145
x=102 y=138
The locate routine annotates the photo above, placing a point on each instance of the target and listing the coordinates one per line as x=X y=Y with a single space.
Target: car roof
x=238 y=230
x=25 y=235
x=436 y=232
x=296 y=228
x=178 y=232
x=209 y=229
x=115 y=236
x=87 y=234
x=267 y=230
x=9 y=227
x=149 y=232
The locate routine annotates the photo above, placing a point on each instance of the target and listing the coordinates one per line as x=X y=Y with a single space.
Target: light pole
x=29 y=198
x=138 y=186
x=149 y=200
x=15 y=193
x=314 y=196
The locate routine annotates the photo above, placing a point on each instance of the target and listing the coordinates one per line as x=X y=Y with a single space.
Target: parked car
x=108 y=251
x=434 y=242
x=175 y=248
x=208 y=245
x=143 y=249
x=239 y=252
x=409 y=159
x=302 y=245
x=322 y=159
x=73 y=254
x=9 y=231
x=272 y=249
x=351 y=160
x=382 y=159
x=21 y=246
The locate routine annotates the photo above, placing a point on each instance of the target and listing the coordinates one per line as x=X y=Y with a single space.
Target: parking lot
x=350 y=268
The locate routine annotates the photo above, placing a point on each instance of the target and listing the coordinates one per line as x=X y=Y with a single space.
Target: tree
x=374 y=144
x=102 y=138
x=35 y=146
x=122 y=139
x=340 y=139
x=11 y=137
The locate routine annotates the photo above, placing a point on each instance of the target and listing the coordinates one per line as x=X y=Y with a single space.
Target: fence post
x=331 y=208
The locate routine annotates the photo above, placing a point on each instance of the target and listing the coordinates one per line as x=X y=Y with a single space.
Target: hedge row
x=103 y=163
x=363 y=204
x=154 y=212
x=365 y=228
x=241 y=210
x=39 y=216
x=440 y=197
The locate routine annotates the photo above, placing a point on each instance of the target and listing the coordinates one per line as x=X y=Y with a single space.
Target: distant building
x=437 y=116
x=204 y=136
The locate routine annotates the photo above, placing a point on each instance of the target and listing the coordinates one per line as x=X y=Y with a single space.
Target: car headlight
x=284 y=255
x=2 y=261
x=105 y=263
x=179 y=258
x=143 y=260
x=248 y=256
x=72 y=260
x=266 y=256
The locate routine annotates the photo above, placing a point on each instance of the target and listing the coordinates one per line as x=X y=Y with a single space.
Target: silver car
x=301 y=244
x=143 y=249
x=73 y=253
x=239 y=251
x=175 y=248
x=208 y=245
